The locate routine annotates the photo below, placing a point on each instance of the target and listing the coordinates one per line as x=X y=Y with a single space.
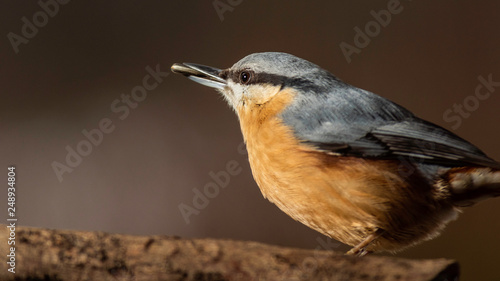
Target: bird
x=344 y=161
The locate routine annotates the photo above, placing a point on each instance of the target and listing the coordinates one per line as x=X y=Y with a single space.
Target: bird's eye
x=245 y=77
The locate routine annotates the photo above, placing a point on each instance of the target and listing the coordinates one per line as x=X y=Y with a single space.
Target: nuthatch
x=344 y=161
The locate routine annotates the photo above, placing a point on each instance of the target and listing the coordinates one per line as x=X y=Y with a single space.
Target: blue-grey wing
x=430 y=143
x=355 y=122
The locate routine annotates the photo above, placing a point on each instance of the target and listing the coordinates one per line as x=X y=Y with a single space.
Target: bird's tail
x=470 y=185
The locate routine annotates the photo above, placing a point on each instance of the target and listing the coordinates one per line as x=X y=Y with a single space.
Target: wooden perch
x=42 y=254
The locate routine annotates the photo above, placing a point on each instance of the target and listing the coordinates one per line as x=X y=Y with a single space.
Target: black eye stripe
x=255 y=77
x=271 y=79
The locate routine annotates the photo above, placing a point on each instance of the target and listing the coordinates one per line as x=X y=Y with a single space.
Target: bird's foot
x=360 y=249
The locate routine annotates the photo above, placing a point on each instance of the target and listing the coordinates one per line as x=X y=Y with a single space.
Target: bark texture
x=43 y=254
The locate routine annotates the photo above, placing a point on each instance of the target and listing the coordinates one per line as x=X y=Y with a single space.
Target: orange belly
x=346 y=198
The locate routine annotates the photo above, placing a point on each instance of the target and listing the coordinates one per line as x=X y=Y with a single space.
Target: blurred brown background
x=65 y=78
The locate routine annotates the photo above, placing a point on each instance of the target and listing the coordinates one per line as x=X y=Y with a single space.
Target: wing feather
x=416 y=139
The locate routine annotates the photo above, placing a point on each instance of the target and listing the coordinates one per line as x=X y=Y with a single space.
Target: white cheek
x=234 y=93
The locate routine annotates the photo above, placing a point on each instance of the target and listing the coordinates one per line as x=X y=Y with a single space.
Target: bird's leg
x=359 y=250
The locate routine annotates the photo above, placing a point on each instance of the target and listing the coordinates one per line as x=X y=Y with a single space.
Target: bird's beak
x=205 y=75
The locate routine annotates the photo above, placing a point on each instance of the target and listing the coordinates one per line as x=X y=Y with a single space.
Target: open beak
x=205 y=75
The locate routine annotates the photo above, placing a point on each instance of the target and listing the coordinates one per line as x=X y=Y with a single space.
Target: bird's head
x=257 y=78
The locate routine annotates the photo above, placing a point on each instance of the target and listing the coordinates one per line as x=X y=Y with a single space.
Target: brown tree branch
x=42 y=254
